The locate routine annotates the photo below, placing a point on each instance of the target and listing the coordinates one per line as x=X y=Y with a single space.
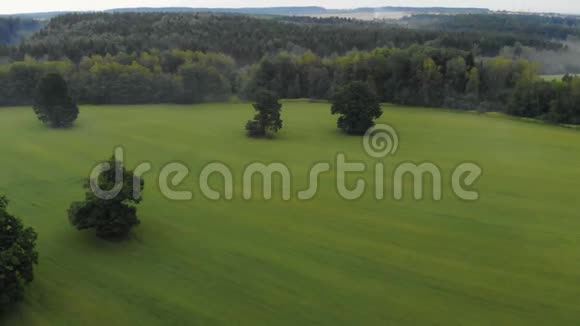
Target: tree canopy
x=114 y=217
x=247 y=38
x=135 y=58
x=268 y=117
x=17 y=256
x=52 y=103
x=357 y=106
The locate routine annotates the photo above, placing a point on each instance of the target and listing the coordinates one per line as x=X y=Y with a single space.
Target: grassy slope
x=509 y=259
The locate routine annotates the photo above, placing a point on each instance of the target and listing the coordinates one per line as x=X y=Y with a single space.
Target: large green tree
x=268 y=117
x=17 y=256
x=357 y=106
x=114 y=214
x=52 y=103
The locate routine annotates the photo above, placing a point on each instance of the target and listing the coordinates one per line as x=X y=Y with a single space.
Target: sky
x=23 y=6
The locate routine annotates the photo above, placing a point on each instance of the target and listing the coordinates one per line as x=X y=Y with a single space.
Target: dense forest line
x=418 y=75
x=247 y=39
x=182 y=58
x=525 y=26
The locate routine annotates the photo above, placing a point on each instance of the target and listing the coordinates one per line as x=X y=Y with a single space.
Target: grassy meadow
x=511 y=258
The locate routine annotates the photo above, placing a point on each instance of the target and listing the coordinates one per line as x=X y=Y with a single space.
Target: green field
x=511 y=258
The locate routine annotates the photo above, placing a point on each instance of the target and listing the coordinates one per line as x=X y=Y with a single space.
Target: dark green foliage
x=554 y=101
x=357 y=106
x=532 y=99
x=17 y=256
x=52 y=103
x=126 y=78
x=565 y=107
x=121 y=61
x=418 y=75
x=498 y=30
x=112 y=218
x=247 y=39
x=268 y=117
x=203 y=84
x=528 y=28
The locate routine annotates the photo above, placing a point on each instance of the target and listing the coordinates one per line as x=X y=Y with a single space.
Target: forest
x=548 y=27
x=245 y=38
x=133 y=58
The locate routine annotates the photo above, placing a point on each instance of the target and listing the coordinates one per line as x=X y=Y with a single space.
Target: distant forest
x=247 y=39
x=525 y=26
x=13 y=30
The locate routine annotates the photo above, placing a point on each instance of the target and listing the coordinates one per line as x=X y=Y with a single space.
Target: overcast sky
x=23 y=6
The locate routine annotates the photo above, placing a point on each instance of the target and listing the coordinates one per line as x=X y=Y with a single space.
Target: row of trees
x=528 y=29
x=554 y=101
x=418 y=75
x=356 y=104
x=424 y=76
x=191 y=77
x=151 y=77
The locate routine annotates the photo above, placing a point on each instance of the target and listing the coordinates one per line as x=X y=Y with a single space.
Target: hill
x=245 y=38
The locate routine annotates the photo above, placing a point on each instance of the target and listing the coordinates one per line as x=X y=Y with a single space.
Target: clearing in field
x=509 y=258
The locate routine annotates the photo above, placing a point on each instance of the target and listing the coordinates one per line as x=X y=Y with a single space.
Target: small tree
x=111 y=217
x=52 y=103
x=17 y=256
x=268 y=116
x=358 y=106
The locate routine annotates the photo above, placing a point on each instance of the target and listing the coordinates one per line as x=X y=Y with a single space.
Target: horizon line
x=280 y=7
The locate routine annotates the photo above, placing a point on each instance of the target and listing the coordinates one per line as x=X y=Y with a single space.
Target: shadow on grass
x=88 y=239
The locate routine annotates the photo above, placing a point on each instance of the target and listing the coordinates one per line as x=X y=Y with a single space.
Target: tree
x=532 y=98
x=111 y=216
x=52 y=103
x=518 y=50
x=268 y=117
x=473 y=82
x=358 y=107
x=430 y=79
x=17 y=256
x=455 y=74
